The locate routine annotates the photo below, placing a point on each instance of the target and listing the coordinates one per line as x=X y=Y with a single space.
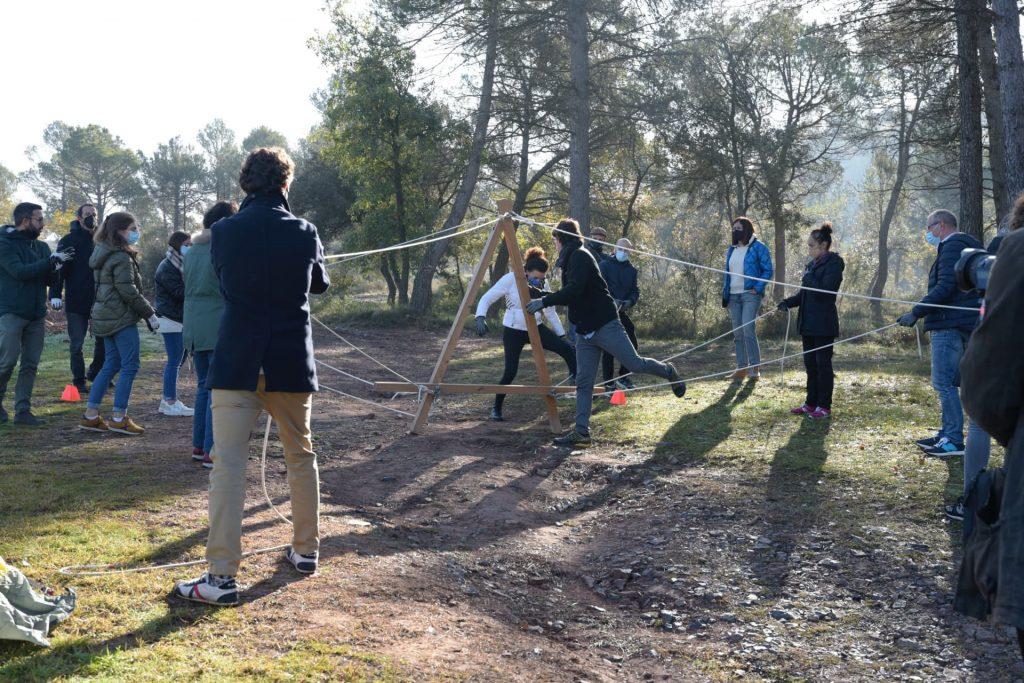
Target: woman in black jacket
x=818 y=321
x=170 y=303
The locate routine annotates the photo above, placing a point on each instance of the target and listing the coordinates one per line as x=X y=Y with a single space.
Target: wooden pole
x=448 y=350
x=447 y=388
x=515 y=262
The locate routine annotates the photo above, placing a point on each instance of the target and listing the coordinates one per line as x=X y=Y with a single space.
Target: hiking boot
x=25 y=418
x=572 y=438
x=198 y=454
x=738 y=375
x=96 y=424
x=802 y=410
x=496 y=416
x=207 y=461
x=925 y=444
x=221 y=591
x=944 y=449
x=175 y=408
x=820 y=413
x=678 y=385
x=125 y=426
x=305 y=564
x=956 y=510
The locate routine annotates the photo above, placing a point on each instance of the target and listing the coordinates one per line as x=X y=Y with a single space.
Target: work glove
x=56 y=304
x=153 y=323
x=907 y=320
x=481 y=326
x=783 y=306
x=58 y=259
x=535 y=305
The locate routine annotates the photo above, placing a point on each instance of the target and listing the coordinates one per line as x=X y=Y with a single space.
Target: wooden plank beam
x=446 y=388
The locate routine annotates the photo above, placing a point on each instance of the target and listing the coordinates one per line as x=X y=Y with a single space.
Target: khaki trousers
x=234 y=417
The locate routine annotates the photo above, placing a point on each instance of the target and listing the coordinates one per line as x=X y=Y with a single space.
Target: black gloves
x=481 y=326
x=907 y=320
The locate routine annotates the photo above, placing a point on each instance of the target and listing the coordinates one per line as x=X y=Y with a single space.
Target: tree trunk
x=422 y=289
x=994 y=118
x=970 y=117
x=396 y=276
x=1011 y=91
x=778 y=218
x=399 y=189
x=386 y=272
x=579 y=107
x=522 y=188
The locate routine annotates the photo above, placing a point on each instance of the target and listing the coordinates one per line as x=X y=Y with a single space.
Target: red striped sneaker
x=210 y=590
x=197 y=454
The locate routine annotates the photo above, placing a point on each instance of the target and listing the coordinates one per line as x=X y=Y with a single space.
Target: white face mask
x=621 y=255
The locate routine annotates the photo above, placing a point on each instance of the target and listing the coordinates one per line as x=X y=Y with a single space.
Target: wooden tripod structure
x=503 y=230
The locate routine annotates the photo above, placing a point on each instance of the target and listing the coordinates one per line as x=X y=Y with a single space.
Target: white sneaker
x=176 y=409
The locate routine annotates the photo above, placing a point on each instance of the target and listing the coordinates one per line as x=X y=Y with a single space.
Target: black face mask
x=33 y=233
x=89 y=223
x=737 y=236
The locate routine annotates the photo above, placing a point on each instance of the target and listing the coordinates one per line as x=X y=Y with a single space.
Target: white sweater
x=506 y=287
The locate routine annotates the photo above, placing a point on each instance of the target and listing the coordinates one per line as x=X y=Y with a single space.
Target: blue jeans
x=120 y=354
x=202 y=419
x=947 y=350
x=743 y=308
x=979 y=445
x=175 y=350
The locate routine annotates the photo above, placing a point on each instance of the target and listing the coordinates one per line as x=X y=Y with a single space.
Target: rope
x=417 y=242
x=396 y=373
x=342 y=372
x=749 y=277
x=366 y=400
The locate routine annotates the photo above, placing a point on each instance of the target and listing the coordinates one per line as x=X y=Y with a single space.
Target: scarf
x=175 y=258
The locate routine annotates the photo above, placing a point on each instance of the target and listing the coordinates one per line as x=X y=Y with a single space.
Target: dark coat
x=268 y=262
x=942 y=289
x=75 y=282
x=992 y=388
x=621 y=277
x=818 y=316
x=583 y=290
x=170 y=291
x=25 y=272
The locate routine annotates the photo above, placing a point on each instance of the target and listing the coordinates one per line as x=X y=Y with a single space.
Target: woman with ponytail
x=818 y=320
x=514 y=335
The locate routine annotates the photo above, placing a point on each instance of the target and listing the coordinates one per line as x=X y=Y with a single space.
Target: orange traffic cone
x=70 y=394
x=619 y=397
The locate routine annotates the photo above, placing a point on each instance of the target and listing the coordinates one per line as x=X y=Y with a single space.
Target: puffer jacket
x=942 y=289
x=119 y=301
x=25 y=271
x=204 y=303
x=757 y=263
x=170 y=291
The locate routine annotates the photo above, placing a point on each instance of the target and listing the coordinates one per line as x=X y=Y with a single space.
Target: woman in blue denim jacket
x=746 y=258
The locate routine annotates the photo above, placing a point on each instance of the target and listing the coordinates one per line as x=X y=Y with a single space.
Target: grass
x=64 y=502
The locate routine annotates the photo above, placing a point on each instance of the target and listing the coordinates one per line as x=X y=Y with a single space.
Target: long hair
x=109 y=232
x=748 y=230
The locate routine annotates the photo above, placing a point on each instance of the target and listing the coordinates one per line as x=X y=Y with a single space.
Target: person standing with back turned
x=268 y=262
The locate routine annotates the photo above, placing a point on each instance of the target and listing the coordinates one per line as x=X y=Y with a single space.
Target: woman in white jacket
x=514 y=335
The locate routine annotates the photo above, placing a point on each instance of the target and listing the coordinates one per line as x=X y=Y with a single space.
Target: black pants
x=515 y=340
x=820 y=378
x=78 y=328
x=608 y=361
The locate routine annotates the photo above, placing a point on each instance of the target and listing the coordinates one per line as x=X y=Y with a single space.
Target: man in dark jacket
x=75 y=292
x=268 y=262
x=993 y=393
x=598 y=329
x=26 y=268
x=623 y=286
x=950 y=328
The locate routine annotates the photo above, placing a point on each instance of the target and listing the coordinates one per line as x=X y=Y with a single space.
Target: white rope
x=396 y=373
x=342 y=372
x=417 y=242
x=917 y=333
x=748 y=277
x=366 y=400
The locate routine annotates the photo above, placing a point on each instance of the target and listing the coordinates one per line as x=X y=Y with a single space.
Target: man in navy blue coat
x=268 y=262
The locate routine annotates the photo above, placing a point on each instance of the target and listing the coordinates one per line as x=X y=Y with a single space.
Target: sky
x=150 y=70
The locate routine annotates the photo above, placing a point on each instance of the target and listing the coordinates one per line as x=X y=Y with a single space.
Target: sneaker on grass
x=572 y=438
x=210 y=590
x=820 y=413
x=802 y=410
x=305 y=564
x=96 y=424
x=927 y=443
x=956 y=511
x=944 y=448
x=175 y=408
x=198 y=454
x=207 y=461
x=125 y=426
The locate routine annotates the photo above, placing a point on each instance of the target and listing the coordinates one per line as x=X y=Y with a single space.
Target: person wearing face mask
x=621 y=277
x=169 y=303
x=26 y=269
x=514 y=336
x=746 y=258
x=818 y=321
x=118 y=308
x=75 y=292
x=950 y=329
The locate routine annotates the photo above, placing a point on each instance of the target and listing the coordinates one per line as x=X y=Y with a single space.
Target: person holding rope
x=598 y=329
x=621 y=276
x=268 y=262
x=818 y=321
x=950 y=329
x=747 y=257
x=514 y=336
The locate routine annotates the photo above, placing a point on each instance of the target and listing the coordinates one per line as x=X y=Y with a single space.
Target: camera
x=973 y=268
